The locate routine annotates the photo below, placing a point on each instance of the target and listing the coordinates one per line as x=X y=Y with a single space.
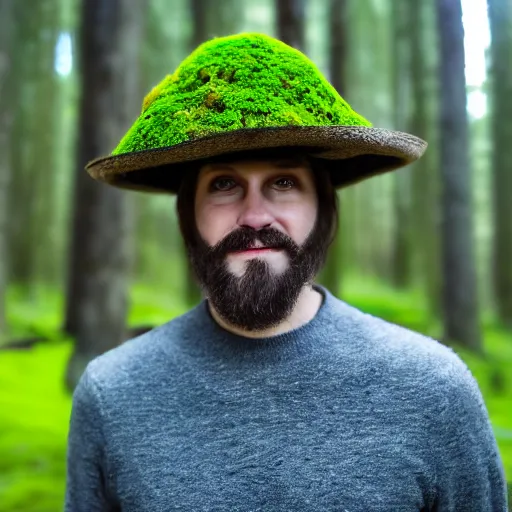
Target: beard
x=260 y=298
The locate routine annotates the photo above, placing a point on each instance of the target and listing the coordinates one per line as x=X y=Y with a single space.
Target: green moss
x=228 y=83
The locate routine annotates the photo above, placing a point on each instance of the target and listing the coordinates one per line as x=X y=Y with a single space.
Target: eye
x=222 y=184
x=284 y=183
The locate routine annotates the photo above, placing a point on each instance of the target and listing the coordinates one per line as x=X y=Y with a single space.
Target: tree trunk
x=402 y=258
x=290 y=16
x=212 y=18
x=500 y=16
x=200 y=32
x=424 y=173
x=32 y=145
x=42 y=168
x=460 y=305
x=99 y=256
x=332 y=273
x=6 y=115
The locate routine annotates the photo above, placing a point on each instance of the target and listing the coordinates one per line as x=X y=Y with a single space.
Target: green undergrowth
x=35 y=408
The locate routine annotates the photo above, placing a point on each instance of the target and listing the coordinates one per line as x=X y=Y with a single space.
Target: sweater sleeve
x=86 y=472
x=471 y=475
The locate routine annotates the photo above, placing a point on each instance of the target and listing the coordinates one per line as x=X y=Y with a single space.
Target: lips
x=258 y=250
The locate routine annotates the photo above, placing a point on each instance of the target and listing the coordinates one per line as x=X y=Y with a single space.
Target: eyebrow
x=284 y=163
x=218 y=167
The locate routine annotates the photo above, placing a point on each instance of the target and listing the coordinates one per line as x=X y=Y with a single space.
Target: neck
x=305 y=309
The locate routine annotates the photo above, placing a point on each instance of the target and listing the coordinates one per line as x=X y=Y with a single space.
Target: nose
x=255 y=211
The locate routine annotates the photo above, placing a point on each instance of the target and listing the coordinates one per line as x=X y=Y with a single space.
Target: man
x=271 y=394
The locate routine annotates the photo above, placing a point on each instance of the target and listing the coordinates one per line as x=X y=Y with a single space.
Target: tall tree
x=165 y=44
x=425 y=174
x=460 y=304
x=290 y=15
x=402 y=258
x=338 y=43
x=99 y=255
x=500 y=17
x=215 y=19
x=33 y=144
x=199 y=10
x=6 y=115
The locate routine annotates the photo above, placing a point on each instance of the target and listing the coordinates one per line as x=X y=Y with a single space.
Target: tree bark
x=460 y=304
x=44 y=144
x=212 y=18
x=99 y=254
x=402 y=258
x=200 y=32
x=500 y=17
x=6 y=116
x=331 y=276
x=290 y=16
x=33 y=143
x=424 y=173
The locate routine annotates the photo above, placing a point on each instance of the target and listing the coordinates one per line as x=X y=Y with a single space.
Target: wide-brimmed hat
x=243 y=93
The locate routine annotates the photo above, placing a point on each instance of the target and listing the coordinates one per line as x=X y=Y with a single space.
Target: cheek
x=299 y=221
x=213 y=223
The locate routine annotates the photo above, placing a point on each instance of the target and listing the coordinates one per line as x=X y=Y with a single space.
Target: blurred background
x=84 y=266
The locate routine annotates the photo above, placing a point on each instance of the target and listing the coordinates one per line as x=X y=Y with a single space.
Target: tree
x=198 y=9
x=500 y=17
x=6 y=115
x=33 y=143
x=338 y=41
x=460 y=304
x=402 y=258
x=211 y=18
x=99 y=254
x=424 y=173
x=416 y=248
x=290 y=22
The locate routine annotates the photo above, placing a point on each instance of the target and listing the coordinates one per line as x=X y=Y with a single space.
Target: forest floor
x=35 y=408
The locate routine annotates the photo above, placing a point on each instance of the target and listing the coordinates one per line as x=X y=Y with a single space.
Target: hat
x=248 y=92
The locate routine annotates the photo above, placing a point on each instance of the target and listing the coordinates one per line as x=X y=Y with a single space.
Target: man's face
x=256 y=251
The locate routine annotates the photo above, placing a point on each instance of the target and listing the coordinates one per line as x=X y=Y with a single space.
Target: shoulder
x=430 y=373
x=401 y=352
x=137 y=359
x=398 y=343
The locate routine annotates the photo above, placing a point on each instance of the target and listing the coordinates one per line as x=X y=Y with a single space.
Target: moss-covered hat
x=248 y=92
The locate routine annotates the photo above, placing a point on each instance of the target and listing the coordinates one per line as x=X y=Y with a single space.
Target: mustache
x=245 y=238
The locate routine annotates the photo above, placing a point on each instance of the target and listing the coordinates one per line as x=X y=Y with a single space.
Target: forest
x=85 y=267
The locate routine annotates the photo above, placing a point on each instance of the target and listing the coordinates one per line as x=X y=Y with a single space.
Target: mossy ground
x=235 y=82
x=34 y=408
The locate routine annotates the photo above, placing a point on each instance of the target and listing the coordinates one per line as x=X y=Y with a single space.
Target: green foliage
x=234 y=82
x=35 y=408
x=144 y=310
x=34 y=311
x=34 y=416
x=401 y=307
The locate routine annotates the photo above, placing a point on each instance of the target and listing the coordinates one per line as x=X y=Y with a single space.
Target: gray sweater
x=347 y=413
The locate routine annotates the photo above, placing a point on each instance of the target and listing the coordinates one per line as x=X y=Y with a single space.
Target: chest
x=271 y=450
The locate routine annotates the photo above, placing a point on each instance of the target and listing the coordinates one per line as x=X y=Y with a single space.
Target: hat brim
x=353 y=153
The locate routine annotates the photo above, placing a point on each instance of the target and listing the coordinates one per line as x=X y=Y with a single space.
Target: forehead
x=257 y=165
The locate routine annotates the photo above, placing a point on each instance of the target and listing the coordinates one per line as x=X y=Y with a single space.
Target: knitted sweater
x=345 y=413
